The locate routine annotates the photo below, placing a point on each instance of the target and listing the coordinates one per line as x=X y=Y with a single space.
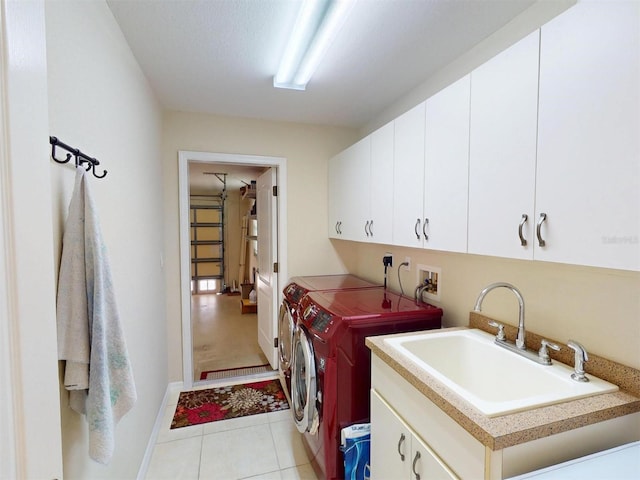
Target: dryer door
x=303 y=383
x=286 y=330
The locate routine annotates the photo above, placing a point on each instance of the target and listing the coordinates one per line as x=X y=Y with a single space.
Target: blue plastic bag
x=355 y=442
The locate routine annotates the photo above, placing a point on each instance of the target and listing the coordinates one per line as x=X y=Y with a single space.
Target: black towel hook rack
x=81 y=158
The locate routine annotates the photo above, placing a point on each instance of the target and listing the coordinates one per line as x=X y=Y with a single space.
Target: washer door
x=286 y=330
x=303 y=383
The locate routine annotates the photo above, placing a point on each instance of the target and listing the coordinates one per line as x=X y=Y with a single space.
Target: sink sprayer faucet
x=580 y=357
x=521 y=331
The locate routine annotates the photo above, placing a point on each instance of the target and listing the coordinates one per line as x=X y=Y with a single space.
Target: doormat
x=235 y=372
x=221 y=403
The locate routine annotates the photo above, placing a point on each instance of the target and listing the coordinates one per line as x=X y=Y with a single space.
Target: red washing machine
x=297 y=288
x=331 y=369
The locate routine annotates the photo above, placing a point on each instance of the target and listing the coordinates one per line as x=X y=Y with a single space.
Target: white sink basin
x=491 y=378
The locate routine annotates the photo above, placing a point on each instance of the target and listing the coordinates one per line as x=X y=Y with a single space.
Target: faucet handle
x=543 y=353
x=500 y=335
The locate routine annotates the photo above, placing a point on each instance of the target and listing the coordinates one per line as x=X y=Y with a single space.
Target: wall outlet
x=387 y=260
x=407 y=260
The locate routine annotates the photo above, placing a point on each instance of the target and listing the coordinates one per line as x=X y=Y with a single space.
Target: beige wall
x=597 y=307
x=306 y=148
x=100 y=102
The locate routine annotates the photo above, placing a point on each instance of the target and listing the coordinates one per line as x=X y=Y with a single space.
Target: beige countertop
x=512 y=429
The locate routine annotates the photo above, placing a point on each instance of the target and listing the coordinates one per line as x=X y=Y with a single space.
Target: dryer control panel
x=314 y=317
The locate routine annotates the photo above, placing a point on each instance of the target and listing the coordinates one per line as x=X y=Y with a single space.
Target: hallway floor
x=222 y=336
x=266 y=446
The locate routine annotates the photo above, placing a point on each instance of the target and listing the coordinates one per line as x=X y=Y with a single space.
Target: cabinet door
x=504 y=100
x=336 y=191
x=408 y=178
x=425 y=463
x=588 y=180
x=348 y=191
x=447 y=168
x=381 y=198
x=356 y=181
x=396 y=452
x=390 y=442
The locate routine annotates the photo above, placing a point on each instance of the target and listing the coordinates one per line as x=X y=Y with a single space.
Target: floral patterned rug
x=220 y=403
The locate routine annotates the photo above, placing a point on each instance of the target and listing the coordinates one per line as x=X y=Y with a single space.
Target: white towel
x=90 y=339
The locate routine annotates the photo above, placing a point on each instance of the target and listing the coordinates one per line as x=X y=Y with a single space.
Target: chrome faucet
x=580 y=357
x=520 y=344
x=542 y=356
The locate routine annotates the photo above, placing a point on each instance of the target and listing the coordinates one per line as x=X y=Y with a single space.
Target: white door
x=357 y=185
x=336 y=191
x=504 y=109
x=447 y=168
x=381 y=198
x=588 y=175
x=408 y=177
x=267 y=278
x=390 y=442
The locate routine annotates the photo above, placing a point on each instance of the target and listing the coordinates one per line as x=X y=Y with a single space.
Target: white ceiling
x=219 y=56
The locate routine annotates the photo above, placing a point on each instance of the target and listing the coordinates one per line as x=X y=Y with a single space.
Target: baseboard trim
x=144 y=465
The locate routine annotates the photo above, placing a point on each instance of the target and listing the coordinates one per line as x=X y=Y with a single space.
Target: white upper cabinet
x=408 y=178
x=504 y=107
x=336 y=191
x=380 y=226
x=349 y=180
x=447 y=168
x=534 y=155
x=358 y=181
x=589 y=136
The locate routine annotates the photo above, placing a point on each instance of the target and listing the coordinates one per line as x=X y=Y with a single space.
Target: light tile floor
x=266 y=446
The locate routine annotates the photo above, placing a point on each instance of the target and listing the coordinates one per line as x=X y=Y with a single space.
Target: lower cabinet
x=397 y=452
x=413 y=439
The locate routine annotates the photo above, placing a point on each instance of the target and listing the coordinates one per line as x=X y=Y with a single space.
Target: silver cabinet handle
x=371 y=228
x=400 y=442
x=339 y=228
x=543 y=217
x=366 y=228
x=413 y=466
x=424 y=225
x=416 y=228
x=523 y=241
x=337 y=231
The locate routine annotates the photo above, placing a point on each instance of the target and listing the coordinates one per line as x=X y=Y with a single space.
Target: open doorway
x=220 y=264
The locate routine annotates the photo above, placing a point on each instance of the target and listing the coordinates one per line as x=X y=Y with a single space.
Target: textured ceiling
x=219 y=56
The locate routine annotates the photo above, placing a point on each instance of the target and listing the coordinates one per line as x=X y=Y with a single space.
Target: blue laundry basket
x=355 y=443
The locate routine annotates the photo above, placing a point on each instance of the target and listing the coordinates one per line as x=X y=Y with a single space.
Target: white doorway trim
x=184 y=157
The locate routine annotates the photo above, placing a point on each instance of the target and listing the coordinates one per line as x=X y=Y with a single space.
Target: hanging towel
x=97 y=371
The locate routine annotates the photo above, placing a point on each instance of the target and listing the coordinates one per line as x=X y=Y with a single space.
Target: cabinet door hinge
x=275 y=342
x=275 y=267
x=275 y=190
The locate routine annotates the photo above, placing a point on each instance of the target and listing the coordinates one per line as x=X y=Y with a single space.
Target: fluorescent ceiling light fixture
x=318 y=23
